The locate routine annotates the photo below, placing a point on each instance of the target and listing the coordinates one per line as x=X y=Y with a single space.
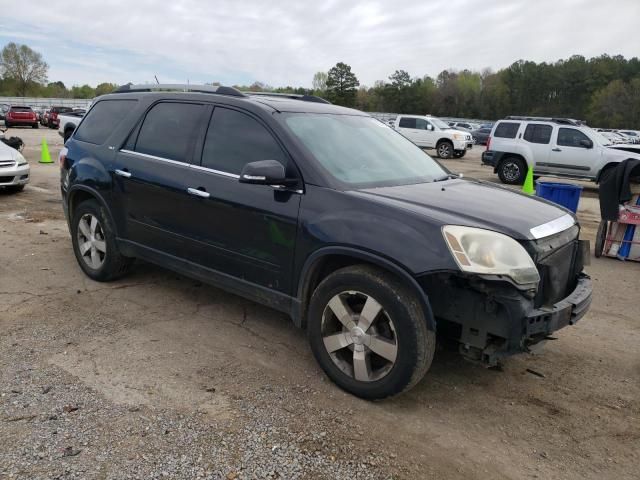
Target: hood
x=474 y=203
x=8 y=153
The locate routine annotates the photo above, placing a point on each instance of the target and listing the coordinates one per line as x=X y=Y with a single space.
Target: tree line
x=603 y=90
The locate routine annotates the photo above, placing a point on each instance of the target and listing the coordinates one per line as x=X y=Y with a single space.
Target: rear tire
x=373 y=356
x=444 y=149
x=94 y=243
x=7 y=124
x=35 y=125
x=512 y=171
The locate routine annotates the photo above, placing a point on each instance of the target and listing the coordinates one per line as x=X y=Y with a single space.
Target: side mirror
x=586 y=143
x=265 y=172
x=430 y=127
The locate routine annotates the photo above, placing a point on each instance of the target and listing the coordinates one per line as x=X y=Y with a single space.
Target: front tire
x=94 y=243
x=512 y=171
x=444 y=149
x=368 y=332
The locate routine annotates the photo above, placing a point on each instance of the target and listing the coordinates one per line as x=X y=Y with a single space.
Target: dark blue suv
x=326 y=214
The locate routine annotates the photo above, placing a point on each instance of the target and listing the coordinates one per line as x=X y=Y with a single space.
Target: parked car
x=558 y=147
x=52 y=118
x=68 y=122
x=4 y=108
x=14 y=169
x=481 y=136
x=466 y=126
x=19 y=116
x=431 y=132
x=632 y=135
x=326 y=214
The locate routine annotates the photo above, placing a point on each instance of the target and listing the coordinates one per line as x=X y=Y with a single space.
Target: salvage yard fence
x=40 y=102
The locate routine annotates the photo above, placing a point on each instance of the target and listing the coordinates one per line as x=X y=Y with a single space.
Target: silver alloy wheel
x=91 y=242
x=511 y=171
x=444 y=150
x=359 y=336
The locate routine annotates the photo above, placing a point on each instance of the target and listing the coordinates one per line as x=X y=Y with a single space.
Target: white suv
x=431 y=132
x=557 y=147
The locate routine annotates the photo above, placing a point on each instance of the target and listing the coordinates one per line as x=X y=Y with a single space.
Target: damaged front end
x=491 y=317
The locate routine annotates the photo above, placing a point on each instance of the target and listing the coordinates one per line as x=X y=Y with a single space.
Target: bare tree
x=320 y=82
x=23 y=65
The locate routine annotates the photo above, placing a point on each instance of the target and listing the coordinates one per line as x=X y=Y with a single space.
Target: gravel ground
x=159 y=376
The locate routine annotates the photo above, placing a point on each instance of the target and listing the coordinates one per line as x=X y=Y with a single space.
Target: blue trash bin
x=564 y=194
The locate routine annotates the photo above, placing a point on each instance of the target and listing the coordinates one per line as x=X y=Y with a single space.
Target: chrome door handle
x=123 y=173
x=198 y=193
x=556 y=150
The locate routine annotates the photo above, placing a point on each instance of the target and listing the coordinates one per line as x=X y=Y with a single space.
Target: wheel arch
x=81 y=193
x=323 y=262
x=444 y=139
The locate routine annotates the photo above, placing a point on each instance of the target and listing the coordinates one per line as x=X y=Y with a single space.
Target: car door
x=407 y=127
x=423 y=133
x=151 y=177
x=242 y=230
x=572 y=153
x=537 y=138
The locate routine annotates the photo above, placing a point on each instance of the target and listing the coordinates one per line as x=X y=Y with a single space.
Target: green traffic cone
x=528 y=187
x=44 y=153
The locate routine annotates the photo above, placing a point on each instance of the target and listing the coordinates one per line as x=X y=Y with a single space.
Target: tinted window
x=98 y=124
x=169 y=130
x=506 y=130
x=406 y=122
x=235 y=139
x=421 y=124
x=61 y=109
x=570 y=137
x=536 y=133
x=485 y=130
x=21 y=109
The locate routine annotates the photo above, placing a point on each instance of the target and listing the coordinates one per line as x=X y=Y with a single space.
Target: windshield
x=600 y=137
x=439 y=123
x=362 y=151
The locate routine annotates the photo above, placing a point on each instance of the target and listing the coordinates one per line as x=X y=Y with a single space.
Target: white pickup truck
x=431 y=132
x=68 y=122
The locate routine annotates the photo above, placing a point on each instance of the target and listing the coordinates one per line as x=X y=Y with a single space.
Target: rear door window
x=235 y=139
x=407 y=122
x=170 y=130
x=538 y=133
x=507 y=130
x=570 y=137
x=102 y=119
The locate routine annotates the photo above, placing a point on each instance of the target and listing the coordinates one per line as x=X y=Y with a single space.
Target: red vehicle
x=24 y=116
x=52 y=120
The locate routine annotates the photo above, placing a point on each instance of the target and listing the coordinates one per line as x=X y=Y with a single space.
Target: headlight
x=458 y=136
x=21 y=160
x=490 y=253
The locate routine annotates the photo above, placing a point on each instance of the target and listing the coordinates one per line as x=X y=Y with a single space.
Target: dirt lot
x=159 y=376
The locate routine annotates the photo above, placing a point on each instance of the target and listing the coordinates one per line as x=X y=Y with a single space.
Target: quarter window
x=235 y=139
x=101 y=120
x=169 y=130
x=570 y=137
x=407 y=122
x=506 y=130
x=537 y=133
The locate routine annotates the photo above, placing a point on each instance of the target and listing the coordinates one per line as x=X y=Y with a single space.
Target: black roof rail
x=563 y=121
x=294 y=96
x=163 y=87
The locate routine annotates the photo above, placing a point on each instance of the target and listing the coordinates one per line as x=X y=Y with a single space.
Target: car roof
x=263 y=102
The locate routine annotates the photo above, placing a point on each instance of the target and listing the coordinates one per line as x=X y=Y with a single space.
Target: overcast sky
x=284 y=42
